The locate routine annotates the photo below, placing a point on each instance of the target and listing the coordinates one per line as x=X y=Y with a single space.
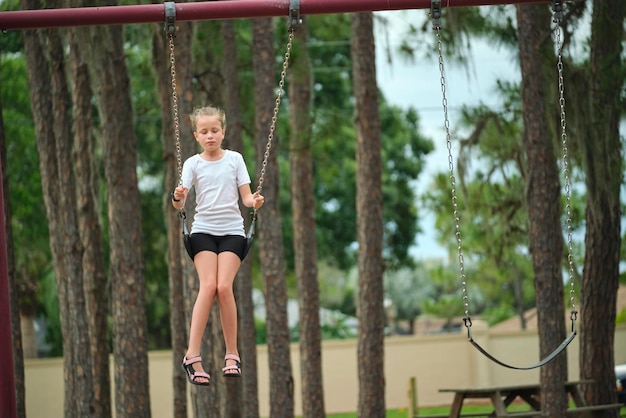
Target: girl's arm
x=179 y=195
x=249 y=199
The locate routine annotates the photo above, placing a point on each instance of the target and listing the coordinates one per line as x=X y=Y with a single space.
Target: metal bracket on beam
x=294 y=15
x=557 y=8
x=170 y=17
x=435 y=13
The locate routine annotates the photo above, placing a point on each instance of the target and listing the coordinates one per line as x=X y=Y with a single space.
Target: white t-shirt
x=217 y=193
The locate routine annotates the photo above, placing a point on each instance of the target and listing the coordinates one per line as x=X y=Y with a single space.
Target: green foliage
x=496 y=314
x=409 y=290
x=31 y=249
x=340 y=330
x=335 y=183
x=147 y=113
x=492 y=205
x=459 y=25
x=157 y=286
x=49 y=310
x=338 y=289
x=260 y=331
x=11 y=42
x=151 y=175
x=337 y=329
x=448 y=307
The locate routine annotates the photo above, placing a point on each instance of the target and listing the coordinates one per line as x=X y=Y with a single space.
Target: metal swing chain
x=170 y=29
x=435 y=14
x=270 y=137
x=175 y=108
x=457 y=221
x=568 y=209
x=279 y=95
x=570 y=257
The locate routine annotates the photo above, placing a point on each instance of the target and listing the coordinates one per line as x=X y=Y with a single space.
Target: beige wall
x=436 y=361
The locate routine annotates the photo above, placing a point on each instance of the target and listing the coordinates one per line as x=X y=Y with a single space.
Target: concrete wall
x=436 y=361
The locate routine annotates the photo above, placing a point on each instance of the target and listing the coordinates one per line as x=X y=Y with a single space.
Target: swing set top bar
x=214 y=10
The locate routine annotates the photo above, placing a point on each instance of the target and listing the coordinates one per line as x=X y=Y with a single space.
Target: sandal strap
x=232 y=357
x=192 y=360
x=197 y=374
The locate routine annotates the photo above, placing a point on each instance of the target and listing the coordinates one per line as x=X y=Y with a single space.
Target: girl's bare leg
x=206 y=266
x=228 y=265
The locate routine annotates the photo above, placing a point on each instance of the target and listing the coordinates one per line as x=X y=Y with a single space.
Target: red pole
x=8 y=406
x=214 y=10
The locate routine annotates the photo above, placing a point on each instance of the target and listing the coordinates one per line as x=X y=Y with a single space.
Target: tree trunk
x=126 y=271
x=303 y=209
x=602 y=158
x=95 y=279
x=544 y=204
x=369 y=206
x=50 y=105
x=176 y=255
x=269 y=225
x=241 y=394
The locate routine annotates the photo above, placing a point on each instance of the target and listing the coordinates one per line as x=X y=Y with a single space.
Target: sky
x=418 y=85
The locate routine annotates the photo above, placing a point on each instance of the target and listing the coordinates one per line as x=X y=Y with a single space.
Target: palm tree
x=602 y=159
x=369 y=206
x=303 y=208
x=543 y=201
x=88 y=204
x=126 y=269
x=269 y=225
x=177 y=257
x=54 y=143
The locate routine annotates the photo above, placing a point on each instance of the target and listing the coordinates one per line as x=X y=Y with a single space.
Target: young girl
x=217 y=235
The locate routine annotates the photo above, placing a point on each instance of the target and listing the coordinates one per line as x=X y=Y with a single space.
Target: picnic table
x=502 y=396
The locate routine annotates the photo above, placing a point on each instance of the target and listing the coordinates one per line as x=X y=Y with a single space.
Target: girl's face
x=209 y=133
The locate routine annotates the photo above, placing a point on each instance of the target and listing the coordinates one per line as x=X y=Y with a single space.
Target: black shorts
x=217 y=244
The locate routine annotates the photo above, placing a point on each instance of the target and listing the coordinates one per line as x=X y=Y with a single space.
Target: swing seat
x=187 y=240
x=249 y=237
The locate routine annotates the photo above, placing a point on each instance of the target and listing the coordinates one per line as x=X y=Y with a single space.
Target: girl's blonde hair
x=208 y=111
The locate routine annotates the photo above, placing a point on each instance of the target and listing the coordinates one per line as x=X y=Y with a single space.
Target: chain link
x=568 y=207
x=279 y=95
x=179 y=161
x=455 y=207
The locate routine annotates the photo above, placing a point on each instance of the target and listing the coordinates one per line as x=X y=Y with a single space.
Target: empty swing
x=170 y=29
x=435 y=15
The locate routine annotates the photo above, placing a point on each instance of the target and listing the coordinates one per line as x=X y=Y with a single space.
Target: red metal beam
x=214 y=10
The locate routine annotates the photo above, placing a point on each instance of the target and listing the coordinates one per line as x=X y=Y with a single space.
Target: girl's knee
x=224 y=290
x=207 y=289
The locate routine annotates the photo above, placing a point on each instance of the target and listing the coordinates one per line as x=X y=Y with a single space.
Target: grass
x=402 y=413
x=468 y=408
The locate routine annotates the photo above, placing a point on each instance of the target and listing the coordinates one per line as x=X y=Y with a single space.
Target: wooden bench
x=578 y=412
x=586 y=411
